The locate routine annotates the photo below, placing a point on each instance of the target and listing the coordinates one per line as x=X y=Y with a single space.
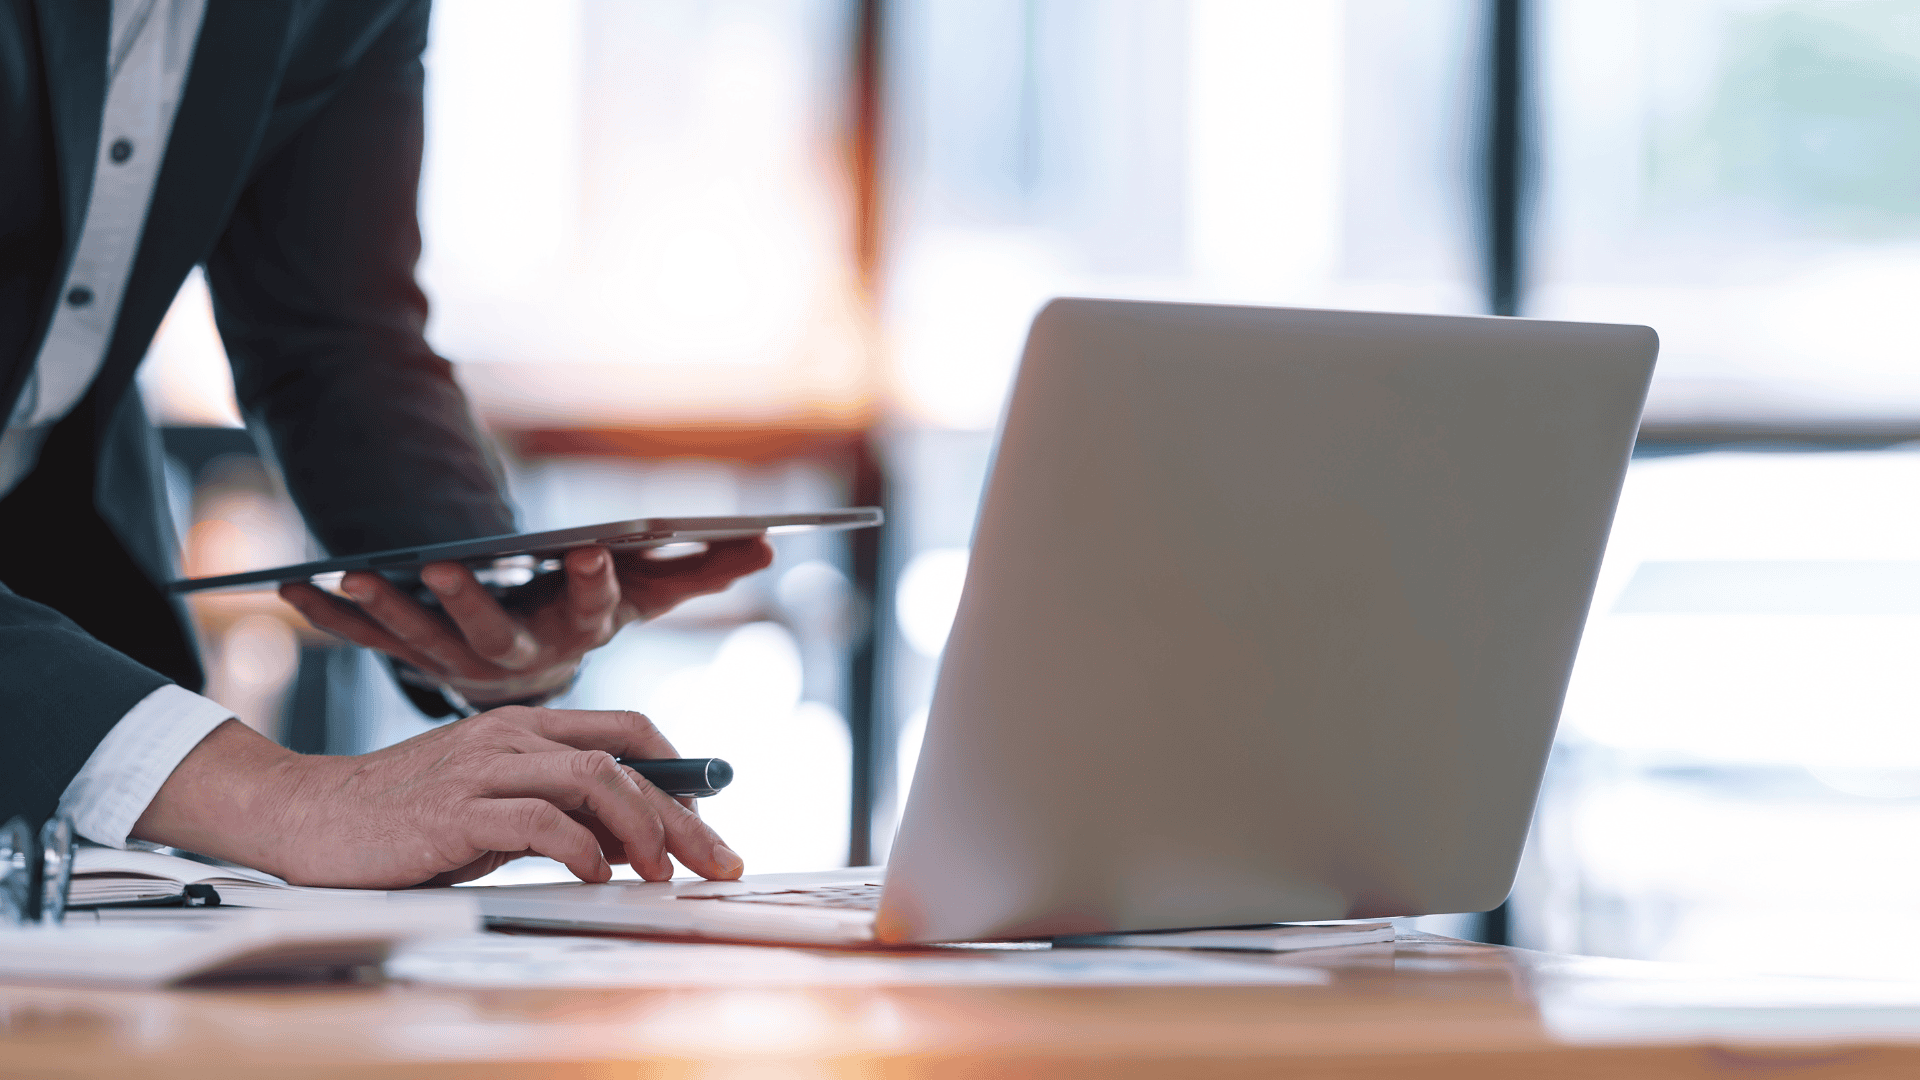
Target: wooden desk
x=1427 y=1007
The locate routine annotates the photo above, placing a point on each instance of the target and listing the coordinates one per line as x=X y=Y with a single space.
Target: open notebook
x=104 y=876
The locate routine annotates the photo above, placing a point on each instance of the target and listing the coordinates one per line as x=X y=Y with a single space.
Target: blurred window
x=1739 y=756
x=1312 y=152
x=1738 y=750
x=645 y=222
x=1743 y=175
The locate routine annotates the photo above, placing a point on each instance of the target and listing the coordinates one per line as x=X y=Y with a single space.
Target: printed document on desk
x=133 y=949
x=495 y=960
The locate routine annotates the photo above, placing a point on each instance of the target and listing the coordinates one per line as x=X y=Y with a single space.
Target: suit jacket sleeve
x=62 y=692
x=323 y=322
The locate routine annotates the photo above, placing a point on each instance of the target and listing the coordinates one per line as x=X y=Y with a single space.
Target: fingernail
x=359 y=590
x=441 y=582
x=726 y=860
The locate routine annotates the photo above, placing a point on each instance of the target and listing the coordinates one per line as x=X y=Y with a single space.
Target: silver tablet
x=535 y=548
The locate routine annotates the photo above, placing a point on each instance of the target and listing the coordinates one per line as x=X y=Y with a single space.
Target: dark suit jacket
x=291 y=175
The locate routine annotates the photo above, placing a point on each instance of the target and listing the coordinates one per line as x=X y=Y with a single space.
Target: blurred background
x=712 y=256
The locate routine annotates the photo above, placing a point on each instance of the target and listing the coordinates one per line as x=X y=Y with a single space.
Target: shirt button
x=120 y=151
x=79 y=296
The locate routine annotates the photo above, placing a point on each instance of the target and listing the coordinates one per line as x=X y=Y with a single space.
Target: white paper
x=109 y=875
x=592 y=963
x=152 y=951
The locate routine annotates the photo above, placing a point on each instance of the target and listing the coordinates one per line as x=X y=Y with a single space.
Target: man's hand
x=446 y=806
x=492 y=656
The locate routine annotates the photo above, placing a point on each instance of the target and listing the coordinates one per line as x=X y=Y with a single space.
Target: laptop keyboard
x=851 y=897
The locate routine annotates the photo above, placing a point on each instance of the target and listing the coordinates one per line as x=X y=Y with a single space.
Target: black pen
x=683 y=777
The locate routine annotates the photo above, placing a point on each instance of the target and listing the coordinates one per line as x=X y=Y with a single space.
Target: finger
x=593 y=590
x=589 y=781
x=342 y=619
x=746 y=554
x=537 y=825
x=490 y=632
x=688 y=838
x=654 y=587
x=406 y=620
x=723 y=561
x=693 y=841
x=625 y=734
x=647 y=822
x=611 y=848
x=535 y=744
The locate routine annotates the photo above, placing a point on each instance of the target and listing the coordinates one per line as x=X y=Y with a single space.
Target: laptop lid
x=1269 y=617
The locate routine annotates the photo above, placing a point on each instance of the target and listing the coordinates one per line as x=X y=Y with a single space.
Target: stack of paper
x=152 y=952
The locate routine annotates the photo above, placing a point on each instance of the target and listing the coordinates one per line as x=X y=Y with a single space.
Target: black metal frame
x=1505 y=156
x=866 y=667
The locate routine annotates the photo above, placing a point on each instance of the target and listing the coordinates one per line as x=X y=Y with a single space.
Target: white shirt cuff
x=125 y=771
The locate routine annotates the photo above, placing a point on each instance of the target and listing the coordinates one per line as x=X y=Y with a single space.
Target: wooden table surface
x=1427 y=1007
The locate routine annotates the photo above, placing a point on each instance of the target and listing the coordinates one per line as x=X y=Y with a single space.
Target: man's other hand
x=445 y=806
x=492 y=656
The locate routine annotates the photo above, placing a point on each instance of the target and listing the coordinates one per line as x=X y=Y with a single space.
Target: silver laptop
x=1268 y=618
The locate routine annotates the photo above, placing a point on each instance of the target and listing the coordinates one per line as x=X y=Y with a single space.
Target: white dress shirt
x=150 y=49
